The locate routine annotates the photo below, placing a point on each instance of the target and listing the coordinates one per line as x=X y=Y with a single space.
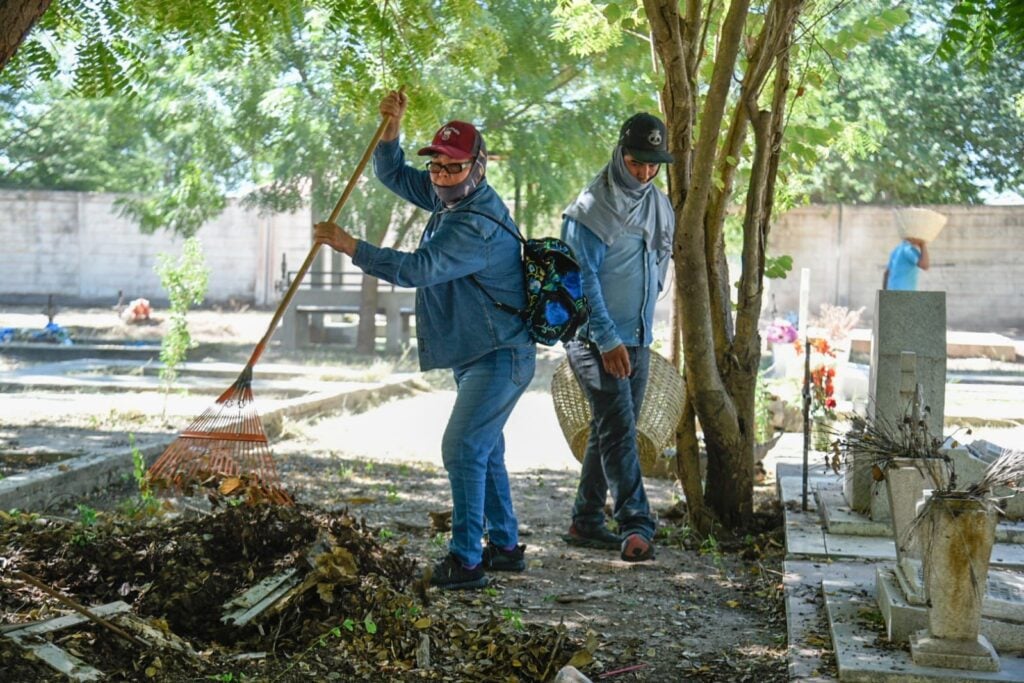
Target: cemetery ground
x=371 y=501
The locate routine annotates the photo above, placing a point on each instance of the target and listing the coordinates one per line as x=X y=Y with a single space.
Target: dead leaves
x=440 y=522
x=332 y=569
x=584 y=656
x=230 y=485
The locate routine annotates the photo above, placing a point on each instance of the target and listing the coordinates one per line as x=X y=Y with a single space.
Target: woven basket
x=922 y=224
x=662 y=408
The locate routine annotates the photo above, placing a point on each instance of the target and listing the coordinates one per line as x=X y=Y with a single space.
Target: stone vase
x=906 y=480
x=957 y=535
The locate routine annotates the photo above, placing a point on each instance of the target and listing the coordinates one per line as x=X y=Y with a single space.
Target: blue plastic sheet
x=53 y=333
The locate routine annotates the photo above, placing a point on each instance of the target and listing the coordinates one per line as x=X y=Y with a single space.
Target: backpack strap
x=512 y=231
x=500 y=305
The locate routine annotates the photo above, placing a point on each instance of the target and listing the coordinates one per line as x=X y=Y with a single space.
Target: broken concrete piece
x=583 y=597
x=423 y=652
x=570 y=674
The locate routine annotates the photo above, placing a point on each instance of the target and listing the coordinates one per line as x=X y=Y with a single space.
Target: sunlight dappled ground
x=411 y=429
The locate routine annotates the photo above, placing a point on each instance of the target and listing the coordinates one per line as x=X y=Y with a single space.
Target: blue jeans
x=611 y=461
x=473 y=449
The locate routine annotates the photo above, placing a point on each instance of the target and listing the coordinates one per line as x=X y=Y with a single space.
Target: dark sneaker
x=592 y=537
x=449 y=574
x=636 y=548
x=504 y=560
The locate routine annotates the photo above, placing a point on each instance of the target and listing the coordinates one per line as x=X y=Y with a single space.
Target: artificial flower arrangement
x=823 y=373
x=781 y=331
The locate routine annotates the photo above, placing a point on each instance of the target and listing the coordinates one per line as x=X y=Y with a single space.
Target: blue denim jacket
x=455 y=321
x=621 y=281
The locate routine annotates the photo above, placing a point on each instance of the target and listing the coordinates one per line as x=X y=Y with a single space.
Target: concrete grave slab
x=912 y=322
x=969 y=655
x=959 y=344
x=863 y=654
x=1002 y=619
x=807 y=535
x=908 y=350
x=839 y=519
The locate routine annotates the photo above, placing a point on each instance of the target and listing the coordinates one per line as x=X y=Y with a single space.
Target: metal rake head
x=224 y=451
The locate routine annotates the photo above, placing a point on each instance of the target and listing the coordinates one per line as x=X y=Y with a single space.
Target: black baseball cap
x=645 y=138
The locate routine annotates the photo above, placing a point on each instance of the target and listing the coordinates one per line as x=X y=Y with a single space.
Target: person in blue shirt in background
x=489 y=350
x=910 y=255
x=620 y=228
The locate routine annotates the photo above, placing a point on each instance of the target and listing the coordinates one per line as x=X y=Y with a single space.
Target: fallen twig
x=78 y=607
x=554 y=655
x=619 y=672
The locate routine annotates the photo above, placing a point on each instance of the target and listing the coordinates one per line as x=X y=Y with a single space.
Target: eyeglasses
x=450 y=169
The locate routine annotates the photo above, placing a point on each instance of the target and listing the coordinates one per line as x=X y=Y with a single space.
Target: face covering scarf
x=455 y=193
x=615 y=203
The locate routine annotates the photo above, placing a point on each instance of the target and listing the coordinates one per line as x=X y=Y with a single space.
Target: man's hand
x=334 y=237
x=393 y=105
x=616 y=362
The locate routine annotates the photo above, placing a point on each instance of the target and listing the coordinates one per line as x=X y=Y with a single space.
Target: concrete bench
x=309 y=307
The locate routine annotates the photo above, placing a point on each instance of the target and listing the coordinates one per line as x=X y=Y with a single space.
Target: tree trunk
x=715 y=409
x=721 y=358
x=366 y=335
x=16 y=19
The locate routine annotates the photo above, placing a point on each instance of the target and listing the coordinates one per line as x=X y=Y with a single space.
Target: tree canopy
x=919 y=129
x=280 y=120
x=981 y=30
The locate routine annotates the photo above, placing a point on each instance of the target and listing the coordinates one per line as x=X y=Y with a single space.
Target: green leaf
x=895 y=16
x=613 y=13
x=959 y=25
x=778 y=267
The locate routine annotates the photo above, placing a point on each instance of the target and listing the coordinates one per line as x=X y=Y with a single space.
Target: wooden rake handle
x=311 y=256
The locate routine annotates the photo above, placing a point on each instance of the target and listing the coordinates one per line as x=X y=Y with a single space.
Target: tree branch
x=768 y=127
x=713 y=405
x=16 y=20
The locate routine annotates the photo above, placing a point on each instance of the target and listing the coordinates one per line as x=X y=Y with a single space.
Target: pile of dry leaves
x=268 y=592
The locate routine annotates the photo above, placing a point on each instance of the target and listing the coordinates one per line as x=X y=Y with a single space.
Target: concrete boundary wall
x=978 y=260
x=75 y=246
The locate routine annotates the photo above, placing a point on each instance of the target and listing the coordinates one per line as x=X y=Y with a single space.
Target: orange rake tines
x=225 y=449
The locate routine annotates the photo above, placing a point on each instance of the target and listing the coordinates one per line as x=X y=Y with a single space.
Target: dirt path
x=708 y=611
x=702 y=612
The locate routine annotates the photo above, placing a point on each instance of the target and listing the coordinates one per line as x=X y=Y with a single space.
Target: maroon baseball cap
x=457 y=139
